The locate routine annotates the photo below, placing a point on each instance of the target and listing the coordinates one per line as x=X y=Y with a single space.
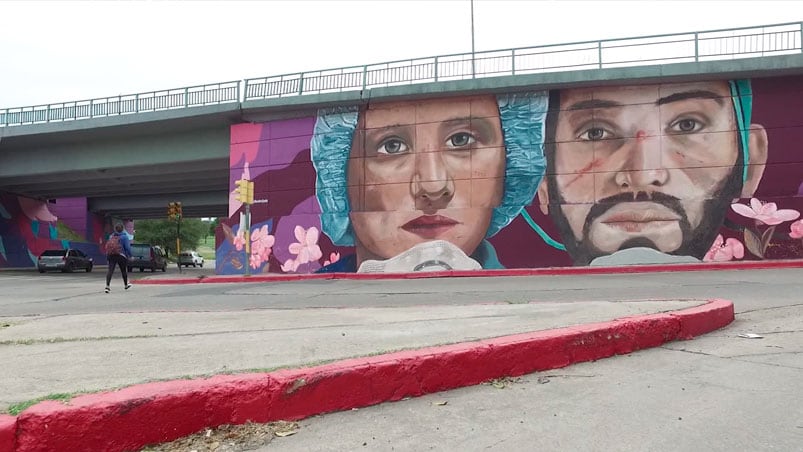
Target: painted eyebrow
x=485 y=125
x=594 y=103
x=685 y=95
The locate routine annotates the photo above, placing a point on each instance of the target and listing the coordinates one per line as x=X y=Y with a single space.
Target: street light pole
x=473 y=71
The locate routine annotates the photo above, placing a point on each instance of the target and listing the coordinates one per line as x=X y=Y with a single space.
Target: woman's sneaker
x=107 y=290
x=128 y=286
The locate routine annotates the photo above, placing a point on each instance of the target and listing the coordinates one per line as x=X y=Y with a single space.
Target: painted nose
x=643 y=168
x=432 y=182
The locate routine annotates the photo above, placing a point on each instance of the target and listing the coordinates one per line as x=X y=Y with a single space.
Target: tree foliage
x=163 y=233
x=213 y=225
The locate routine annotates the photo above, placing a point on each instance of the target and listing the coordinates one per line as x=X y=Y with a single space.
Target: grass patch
x=206 y=247
x=18 y=408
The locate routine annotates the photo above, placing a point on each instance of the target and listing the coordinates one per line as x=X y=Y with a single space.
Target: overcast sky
x=61 y=51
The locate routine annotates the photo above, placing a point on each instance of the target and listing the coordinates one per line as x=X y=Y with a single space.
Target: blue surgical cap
x=523 y=116
x=742 y=94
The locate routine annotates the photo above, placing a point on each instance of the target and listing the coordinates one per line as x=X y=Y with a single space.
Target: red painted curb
x=8 y=428
x=657 y=268
x=133 y=417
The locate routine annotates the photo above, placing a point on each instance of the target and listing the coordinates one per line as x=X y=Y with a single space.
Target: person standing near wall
x=118 y=251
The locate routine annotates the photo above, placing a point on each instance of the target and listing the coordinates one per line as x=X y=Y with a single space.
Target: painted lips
x=430 y=226
x=637 y=218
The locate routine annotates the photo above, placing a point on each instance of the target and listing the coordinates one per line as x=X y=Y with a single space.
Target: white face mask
x=438 y=255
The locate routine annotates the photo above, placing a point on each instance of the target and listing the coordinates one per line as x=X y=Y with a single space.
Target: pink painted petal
x=270 y=241
x=314 y=253
x=36 y=210
x=300 y=234
x=312 y=236
x=787 y=214
x=334 y=257
x=779 y=216
x=743 y=210
x=295 y=248
x=736 y=247
x=756 y=205
x=768 y=209
x=303 y=256
x=796 y=229
x=289 y=265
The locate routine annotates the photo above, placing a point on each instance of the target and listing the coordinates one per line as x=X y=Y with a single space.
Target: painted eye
x=392 y=146
x=595 y=134
x=461 y=139
x=686 y=126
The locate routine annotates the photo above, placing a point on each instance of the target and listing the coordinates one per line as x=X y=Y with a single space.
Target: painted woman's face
x=425 y=170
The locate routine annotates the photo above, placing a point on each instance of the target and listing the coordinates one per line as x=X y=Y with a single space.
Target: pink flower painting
x=333 y=257
x=796 y=229
x=261 y=246
x=306 y=248
x=724 y=250
x=765 y=213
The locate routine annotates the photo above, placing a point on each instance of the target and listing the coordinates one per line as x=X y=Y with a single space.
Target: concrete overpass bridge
x=131 y=155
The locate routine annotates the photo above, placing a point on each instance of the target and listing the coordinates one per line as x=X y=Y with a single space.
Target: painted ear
x=543 y=196
x=758 y=145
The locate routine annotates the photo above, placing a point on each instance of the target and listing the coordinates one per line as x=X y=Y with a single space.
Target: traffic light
x=244 y=191
x=174 y=210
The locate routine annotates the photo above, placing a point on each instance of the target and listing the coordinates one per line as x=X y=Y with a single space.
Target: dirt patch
x=228 y=438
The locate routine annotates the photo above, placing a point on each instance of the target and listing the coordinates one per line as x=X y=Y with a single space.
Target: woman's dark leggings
x=116 y=259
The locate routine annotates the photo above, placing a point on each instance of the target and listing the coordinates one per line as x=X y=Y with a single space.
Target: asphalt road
x=29 y=293
x=717 y=392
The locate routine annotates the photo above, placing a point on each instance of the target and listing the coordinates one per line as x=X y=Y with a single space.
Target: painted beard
x=695 y=241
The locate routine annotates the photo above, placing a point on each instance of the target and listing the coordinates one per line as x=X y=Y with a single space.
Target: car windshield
x=140 y=250
x=54 y=253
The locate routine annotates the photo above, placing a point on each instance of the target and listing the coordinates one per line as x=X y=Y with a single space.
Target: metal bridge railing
x=192 y=96
x=712 y=45
x=659 y=49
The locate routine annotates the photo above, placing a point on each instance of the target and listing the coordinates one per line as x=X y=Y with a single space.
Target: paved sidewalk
x=93 y=352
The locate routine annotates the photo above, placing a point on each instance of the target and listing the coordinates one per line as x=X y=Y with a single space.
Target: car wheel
x=193 y=265
x=69 y=268
x=89 y=268
x=153 y=269
x=141 y=269
x=130 y=269
x=41 y=270
x=164 y=268
x=201 y=265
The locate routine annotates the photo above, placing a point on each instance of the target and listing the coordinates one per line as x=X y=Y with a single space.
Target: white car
x=188 y=258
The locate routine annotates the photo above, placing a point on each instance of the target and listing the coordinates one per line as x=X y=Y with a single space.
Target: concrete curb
x=658 y=268
x=133 y=417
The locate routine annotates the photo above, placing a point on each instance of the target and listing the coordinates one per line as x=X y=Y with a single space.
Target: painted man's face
x=425 y=170
x=652 y=166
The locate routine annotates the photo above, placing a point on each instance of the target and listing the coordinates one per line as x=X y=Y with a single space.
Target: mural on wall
x=27 y=228
x=614 y=175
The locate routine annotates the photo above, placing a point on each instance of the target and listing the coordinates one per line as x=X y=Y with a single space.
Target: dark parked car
x=144 y=256
x=67 y=260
